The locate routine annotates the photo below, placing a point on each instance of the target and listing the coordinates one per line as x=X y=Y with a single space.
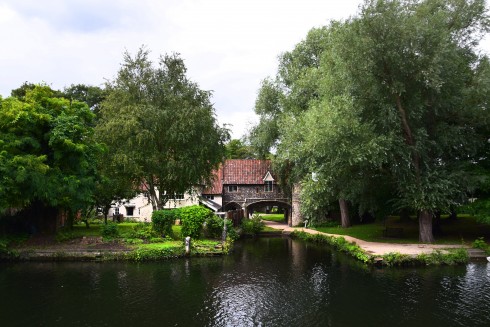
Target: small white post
x=188 y=245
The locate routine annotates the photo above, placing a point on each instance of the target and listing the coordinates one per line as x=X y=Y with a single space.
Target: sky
x=229 y=46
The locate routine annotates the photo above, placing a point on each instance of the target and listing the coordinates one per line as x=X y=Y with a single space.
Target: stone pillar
x=296 y=218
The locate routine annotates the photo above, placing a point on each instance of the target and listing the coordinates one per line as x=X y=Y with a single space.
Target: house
x=250 y=184
x=238 y=184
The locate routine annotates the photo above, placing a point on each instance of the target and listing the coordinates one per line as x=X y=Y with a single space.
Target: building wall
x=143 y=209
x=296 y=217
x=248 y=193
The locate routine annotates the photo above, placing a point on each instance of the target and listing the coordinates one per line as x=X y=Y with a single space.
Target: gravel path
x=373 y=248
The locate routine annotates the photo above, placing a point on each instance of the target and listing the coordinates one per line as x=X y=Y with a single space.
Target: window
x=209 y=197
x=232 y=188
x=116 y=210
x=178 y=196
x=268 y=186
x=129 y=211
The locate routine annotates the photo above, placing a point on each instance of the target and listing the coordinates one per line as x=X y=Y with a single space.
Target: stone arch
x=232 y=206
x=253 y=206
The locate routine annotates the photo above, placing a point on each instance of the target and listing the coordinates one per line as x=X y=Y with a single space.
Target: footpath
x=380 y=249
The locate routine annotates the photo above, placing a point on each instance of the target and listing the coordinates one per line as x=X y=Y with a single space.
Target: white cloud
x=229 y=46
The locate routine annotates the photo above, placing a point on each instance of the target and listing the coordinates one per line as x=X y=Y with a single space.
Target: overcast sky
x=229 y=46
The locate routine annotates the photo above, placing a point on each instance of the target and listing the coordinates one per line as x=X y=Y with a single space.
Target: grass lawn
x=463 y=230
x=279 y=217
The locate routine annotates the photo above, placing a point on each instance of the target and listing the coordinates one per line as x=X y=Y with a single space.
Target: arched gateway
x=251 y=185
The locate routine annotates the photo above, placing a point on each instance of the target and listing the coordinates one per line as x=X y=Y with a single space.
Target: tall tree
x=48 y=155
x=238 y=149
x=411 y=72
x=160 y=127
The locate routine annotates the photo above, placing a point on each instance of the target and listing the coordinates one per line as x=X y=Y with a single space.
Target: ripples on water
x=266 y=282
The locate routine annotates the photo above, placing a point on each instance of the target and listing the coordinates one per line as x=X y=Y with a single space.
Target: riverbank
x=379 y=252
x=99 y=249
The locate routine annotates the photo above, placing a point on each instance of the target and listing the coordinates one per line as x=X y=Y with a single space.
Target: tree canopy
x=47 y=154
x=393 y=98
x=160 y=127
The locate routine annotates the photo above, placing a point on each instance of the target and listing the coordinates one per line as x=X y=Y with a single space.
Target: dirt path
x=373 y=248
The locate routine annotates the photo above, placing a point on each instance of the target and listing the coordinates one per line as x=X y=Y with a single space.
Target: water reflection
x=265 y=282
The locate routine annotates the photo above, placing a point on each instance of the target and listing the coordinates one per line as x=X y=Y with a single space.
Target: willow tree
x=160 y=127
x=412 y=74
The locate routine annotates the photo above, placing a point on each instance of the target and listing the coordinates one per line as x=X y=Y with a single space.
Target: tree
x=160 y=127
x=91 y=95
x=237 y=149
x=47 y=156
x=411 y=72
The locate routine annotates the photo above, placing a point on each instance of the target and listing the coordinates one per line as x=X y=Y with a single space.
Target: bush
x=110 y=230
x=252 y=226
x=192 y=219
x=214 y=226
x=141 y=231
x=480 y=243
x=163 y=220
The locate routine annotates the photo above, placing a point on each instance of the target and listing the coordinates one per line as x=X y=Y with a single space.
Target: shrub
x=163 y=220
x=480 y=243
x=142 y=231
x=110 y=230
x=192 y=219
x=214 y=226
x=252 y=226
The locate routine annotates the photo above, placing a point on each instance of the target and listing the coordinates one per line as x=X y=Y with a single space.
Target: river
x=265 y=282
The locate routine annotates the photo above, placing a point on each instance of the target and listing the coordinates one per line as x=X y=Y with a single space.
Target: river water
x=265 y=282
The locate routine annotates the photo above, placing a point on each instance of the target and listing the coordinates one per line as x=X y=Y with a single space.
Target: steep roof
x=216 y=187
x=245 y=171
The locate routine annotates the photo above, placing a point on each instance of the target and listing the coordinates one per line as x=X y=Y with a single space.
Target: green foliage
x=162 y=221
x=480 y=243
x=252 y=226
x=339 y=243
x=48 y=154
x=178 y=141
x=110 y=230
x=479 y=209
x=214 y=226
x=143 y=231
x=237 y=149
x=393 y=99
x=397 y=259
x=449 y=257
x=192 y=219
x=155 y=252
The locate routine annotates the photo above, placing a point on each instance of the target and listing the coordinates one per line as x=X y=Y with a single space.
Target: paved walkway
x=373 y=248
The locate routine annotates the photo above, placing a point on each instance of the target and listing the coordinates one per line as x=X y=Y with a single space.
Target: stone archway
x=260 y=204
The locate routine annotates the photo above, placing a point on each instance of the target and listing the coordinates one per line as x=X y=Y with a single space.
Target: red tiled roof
x=216 y=187
x=245 y=171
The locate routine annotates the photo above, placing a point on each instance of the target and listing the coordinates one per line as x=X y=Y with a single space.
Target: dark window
x=116 y=210
x=179 y=196
x=129 y=211
x=268 y=186
x=210 y=197
x=232 y=188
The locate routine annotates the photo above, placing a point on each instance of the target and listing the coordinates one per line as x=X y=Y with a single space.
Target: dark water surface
x=266 y=282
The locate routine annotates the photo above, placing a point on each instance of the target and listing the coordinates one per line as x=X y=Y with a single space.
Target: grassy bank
x=445 y=257
x=123 y=241
x=463 y=230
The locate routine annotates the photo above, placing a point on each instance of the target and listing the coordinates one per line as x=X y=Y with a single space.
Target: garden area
x=163 y=238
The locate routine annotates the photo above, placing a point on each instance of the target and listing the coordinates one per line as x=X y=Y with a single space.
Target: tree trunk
x=425 y=227
x=344 y=213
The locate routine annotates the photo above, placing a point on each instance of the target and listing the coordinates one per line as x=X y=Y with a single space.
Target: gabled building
x=238 y=184
x=250 y=184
